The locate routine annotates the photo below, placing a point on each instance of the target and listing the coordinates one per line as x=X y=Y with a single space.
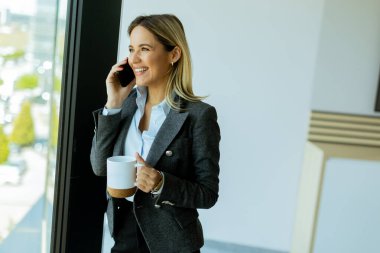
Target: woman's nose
x=134 y=57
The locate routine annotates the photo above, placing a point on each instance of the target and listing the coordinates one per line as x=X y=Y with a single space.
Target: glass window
x=31 y=56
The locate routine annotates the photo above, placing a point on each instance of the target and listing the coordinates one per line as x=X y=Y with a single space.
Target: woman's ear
x=175 y=54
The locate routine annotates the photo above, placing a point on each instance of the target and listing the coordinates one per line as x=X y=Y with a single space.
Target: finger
x=122 y=62
x=144 y=172
x=141 y=187
x=144 y=175
x=144 y=189
x=148 y=172
x=141 y=171
x=144 y=185
x=144 y=181
x=141 y=182
x=118 y=66
x=139 y=159
x=116 y=70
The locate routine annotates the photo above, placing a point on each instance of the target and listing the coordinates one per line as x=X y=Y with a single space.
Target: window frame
x=91 y=45
x=377 y=103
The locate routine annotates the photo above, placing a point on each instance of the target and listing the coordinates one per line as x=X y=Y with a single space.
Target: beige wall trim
x=308 y=196
x=345 y=117
x=344 y=129
x=311 y=185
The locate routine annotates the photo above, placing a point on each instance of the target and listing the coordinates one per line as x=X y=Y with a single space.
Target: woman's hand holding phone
x=116 y=93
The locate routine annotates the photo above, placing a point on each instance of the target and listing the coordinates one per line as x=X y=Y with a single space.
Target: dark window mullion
x=58 y=238
x=91 y=44
x=377 y=103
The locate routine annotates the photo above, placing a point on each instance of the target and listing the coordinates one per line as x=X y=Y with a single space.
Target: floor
x=28 y=231
x=209 y=247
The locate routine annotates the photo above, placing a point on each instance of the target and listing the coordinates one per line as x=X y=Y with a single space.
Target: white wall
x=256 y=60
x=348 y=64
x=349 y=220
x=346 y=80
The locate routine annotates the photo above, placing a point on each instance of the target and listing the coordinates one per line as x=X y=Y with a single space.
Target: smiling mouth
x=140 y=70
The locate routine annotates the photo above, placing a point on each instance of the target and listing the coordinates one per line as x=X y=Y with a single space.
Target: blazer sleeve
x=106 y=132
x=202 y=192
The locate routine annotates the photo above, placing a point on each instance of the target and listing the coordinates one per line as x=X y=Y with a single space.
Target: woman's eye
x=144 y=49
x=130 y=50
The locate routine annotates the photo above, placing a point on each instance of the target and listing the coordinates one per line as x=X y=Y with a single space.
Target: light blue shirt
x=135 y=140
x=142 y=142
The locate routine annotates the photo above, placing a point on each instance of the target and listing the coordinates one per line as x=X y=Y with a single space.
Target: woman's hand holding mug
x=147 y=178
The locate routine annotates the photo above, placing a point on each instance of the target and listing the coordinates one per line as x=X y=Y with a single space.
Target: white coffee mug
x=121 y=176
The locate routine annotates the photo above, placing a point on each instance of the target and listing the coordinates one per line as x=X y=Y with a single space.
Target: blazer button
x=169 y=153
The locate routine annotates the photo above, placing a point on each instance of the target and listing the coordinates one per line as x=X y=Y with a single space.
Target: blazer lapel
x=129 y=109
x=165 y=135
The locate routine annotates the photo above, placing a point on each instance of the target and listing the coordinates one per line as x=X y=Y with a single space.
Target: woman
x=172 y=134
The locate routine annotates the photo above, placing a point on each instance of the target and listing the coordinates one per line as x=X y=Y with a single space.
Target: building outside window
x=31 y=56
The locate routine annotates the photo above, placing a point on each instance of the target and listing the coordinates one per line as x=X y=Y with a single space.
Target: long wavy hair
x=169 y=31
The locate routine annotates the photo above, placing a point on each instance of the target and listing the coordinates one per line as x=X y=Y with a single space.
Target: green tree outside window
x=15 y=56
x=4 y=146
x=23 y=127
x=57 y=84
x=54 y=126
x=28 y=81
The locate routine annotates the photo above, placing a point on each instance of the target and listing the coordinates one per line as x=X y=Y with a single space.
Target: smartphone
x=126 y=75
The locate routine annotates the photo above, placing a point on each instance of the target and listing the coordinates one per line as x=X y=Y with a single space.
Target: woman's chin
x=139 y=81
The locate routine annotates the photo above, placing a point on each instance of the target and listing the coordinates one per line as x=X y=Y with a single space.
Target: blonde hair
x=169 y=31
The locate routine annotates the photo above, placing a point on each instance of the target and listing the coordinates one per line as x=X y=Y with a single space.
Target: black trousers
x=128 y=237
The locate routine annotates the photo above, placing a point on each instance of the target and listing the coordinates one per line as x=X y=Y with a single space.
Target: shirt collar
x=142 y=93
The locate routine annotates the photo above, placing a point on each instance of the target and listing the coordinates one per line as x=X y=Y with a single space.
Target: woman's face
x=148 y=58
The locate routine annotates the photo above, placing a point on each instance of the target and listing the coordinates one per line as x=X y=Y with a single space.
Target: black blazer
x=168 y=221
